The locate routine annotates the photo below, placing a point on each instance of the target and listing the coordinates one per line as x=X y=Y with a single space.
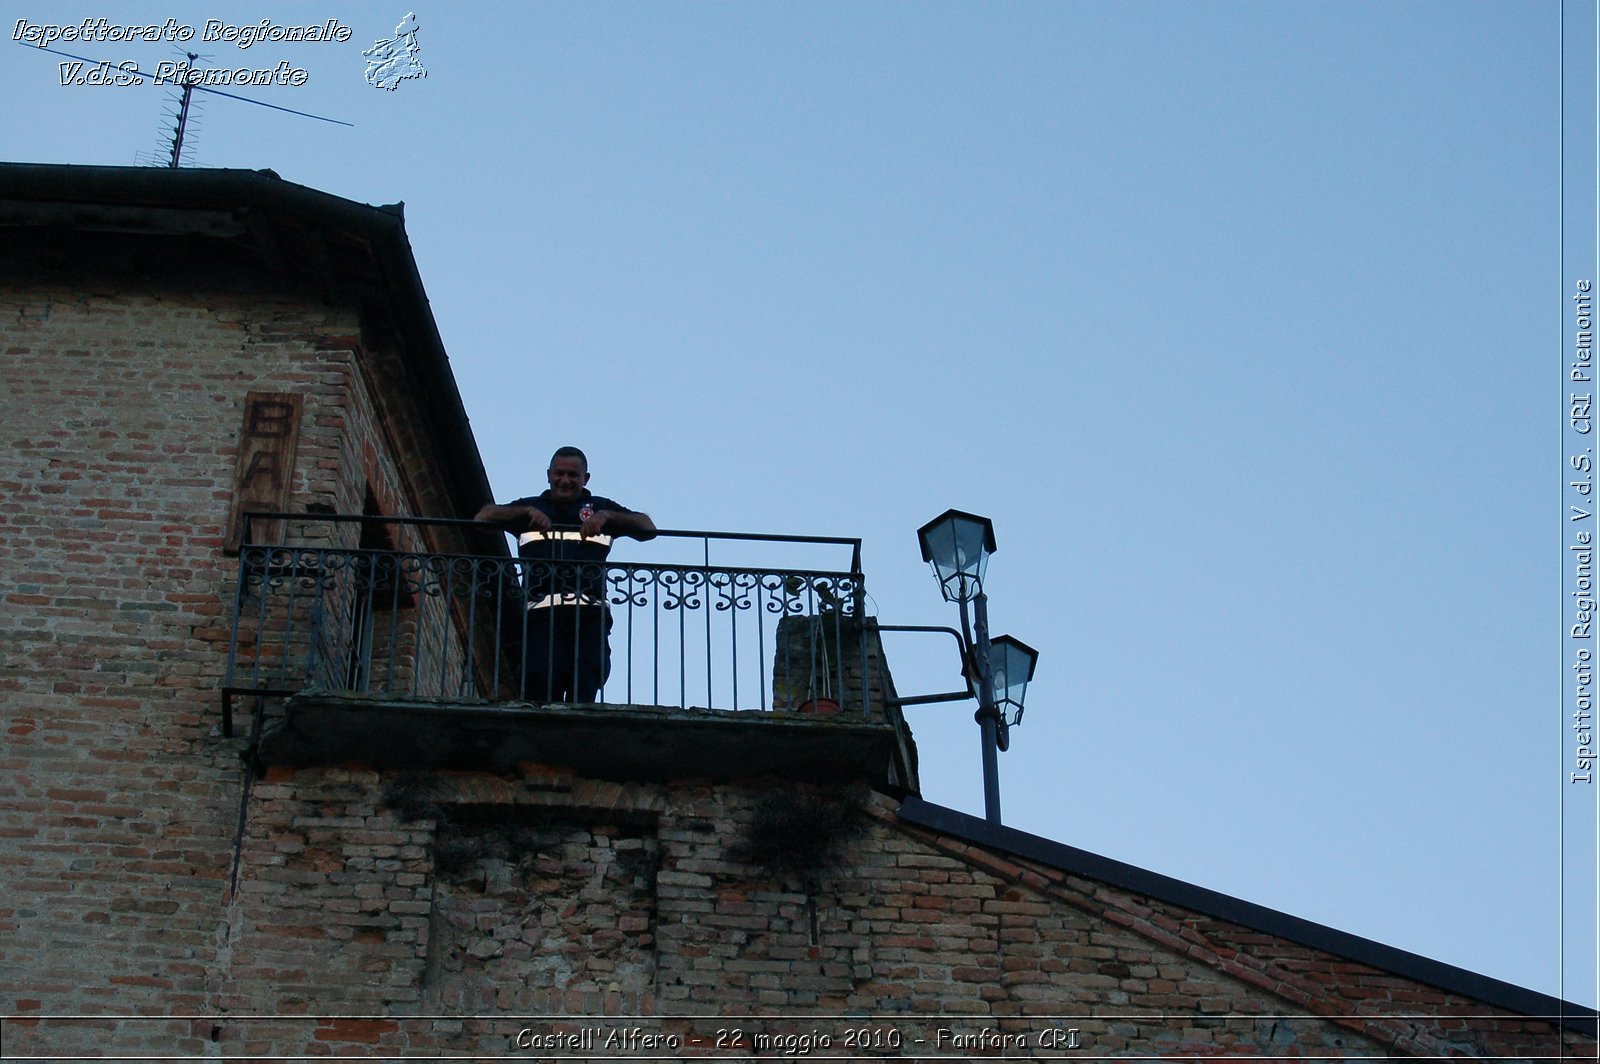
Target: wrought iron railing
x=420 y=609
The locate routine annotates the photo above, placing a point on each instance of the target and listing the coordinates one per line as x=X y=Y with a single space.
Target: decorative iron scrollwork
x=421 y=624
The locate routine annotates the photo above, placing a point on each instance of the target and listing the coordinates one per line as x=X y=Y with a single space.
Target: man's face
x=567 y=478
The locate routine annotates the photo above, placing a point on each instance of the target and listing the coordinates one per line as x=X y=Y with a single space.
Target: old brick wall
x=119 y=798
x=1148 y=954
x=372 y=903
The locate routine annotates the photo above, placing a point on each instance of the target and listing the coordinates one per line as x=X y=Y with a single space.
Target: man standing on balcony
x=564 y=535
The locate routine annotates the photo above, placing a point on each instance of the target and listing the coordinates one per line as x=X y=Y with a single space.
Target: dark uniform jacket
x=569 y=569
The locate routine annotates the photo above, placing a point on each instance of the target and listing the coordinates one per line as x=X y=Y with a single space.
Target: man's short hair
x=570 y=452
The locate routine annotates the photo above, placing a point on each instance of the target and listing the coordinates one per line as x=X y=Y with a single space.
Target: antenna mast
x=183 y=111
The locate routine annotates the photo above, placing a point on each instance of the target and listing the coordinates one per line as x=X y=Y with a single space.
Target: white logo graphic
x=393 y=61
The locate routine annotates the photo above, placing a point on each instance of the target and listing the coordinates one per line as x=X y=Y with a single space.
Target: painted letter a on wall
x=262 y=479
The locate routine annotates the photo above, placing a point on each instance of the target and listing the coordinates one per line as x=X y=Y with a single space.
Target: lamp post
x=958 y=545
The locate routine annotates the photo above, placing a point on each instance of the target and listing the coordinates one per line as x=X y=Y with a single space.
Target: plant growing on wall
x=799 y=834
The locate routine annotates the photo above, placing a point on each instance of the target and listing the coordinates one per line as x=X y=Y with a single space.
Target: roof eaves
x=230 y=188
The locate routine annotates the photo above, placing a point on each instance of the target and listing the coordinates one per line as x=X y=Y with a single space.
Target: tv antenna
x=190 y=79
x=183 y=111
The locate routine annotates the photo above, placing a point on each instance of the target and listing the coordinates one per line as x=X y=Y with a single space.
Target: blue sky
x=1243 y=321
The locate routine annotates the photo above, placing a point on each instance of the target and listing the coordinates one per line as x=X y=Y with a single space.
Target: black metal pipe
x=988 y=716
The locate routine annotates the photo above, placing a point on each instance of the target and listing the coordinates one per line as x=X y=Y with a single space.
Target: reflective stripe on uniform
x=599 y=539
x=568 y=600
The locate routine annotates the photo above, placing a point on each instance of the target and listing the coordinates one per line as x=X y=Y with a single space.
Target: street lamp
x=1011 y=663
x=958 y=546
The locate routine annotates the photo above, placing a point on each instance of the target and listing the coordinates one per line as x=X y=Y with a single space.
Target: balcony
x=411 y=643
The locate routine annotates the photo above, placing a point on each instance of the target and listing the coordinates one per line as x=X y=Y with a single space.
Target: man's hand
x=621 y=523
x=517 y=518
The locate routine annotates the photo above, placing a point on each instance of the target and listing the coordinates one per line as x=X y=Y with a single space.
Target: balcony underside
x=602 y=741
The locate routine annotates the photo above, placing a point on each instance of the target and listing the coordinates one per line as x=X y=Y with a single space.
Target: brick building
x=266 y=787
